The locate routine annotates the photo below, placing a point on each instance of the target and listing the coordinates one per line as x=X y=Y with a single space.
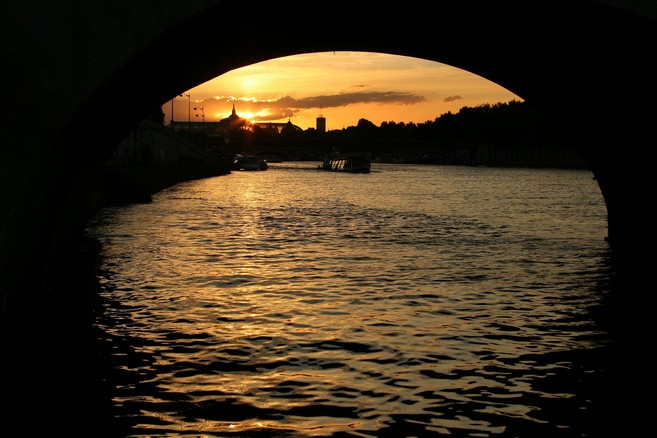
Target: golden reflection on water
x=287 y=300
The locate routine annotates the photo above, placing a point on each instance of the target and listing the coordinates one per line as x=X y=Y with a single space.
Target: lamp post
x=189 y=115
x=200 y=108
x=202 y=121
x=172 y=128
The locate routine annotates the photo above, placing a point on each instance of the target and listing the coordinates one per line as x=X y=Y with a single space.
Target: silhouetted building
x=321 y=124
x=279 y=127
x=230 y=124
x=290 y=128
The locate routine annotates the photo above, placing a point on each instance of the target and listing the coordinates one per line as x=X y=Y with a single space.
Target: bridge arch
x=82 y=63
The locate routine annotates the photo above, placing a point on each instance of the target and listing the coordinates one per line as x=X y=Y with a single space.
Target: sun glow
x=250 y=83
x=344 y=87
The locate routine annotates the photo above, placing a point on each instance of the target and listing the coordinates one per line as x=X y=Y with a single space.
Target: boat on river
x=353 y=163
x=250 y=162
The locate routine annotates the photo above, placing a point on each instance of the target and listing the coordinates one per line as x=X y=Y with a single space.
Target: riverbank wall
x=150 y=159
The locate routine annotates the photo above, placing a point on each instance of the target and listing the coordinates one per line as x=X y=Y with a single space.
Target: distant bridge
x=82 y=74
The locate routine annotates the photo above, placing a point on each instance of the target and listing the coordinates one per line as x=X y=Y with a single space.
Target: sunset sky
x=342 y=86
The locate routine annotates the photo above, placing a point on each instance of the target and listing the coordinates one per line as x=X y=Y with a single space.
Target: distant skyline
x=341 y=86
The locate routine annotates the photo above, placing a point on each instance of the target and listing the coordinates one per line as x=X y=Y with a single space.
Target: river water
x=411 y=301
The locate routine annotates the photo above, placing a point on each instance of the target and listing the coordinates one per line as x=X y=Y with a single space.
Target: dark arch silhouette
x=586 y=64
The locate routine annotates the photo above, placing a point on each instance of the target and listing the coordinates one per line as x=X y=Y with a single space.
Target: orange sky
x=342 y=86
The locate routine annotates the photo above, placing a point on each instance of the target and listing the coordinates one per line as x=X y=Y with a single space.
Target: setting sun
x=344 y=87
x=247 y=115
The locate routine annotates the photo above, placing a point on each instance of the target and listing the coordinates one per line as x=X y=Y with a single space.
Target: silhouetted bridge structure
x=82 y=74
x=284 y=149
x=413 y=151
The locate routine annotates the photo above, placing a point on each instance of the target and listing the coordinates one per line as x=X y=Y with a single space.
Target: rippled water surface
x=411 y=301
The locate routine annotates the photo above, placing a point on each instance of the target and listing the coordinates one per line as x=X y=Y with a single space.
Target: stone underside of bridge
x=78 y=63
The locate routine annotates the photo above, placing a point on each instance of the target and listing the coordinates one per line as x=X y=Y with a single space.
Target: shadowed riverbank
x=54 y=369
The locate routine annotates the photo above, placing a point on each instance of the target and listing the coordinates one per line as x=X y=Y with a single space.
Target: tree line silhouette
x=502 y=134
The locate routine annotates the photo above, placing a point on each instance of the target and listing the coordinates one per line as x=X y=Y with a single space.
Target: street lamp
x=189 y=114
x=172 y=128
x=202 y=121
x=200 y=108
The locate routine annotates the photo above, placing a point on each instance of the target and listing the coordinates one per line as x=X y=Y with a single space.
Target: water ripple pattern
x=411 y=301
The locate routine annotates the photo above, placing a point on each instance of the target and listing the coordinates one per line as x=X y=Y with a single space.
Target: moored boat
x=250 y=162
x=347 y=163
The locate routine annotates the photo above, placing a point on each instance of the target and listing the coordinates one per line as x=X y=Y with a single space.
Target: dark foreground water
x=412 y=301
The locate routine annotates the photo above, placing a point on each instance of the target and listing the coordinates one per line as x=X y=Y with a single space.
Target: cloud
x=344 y=99
x=287 y=106
x=452 y=98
